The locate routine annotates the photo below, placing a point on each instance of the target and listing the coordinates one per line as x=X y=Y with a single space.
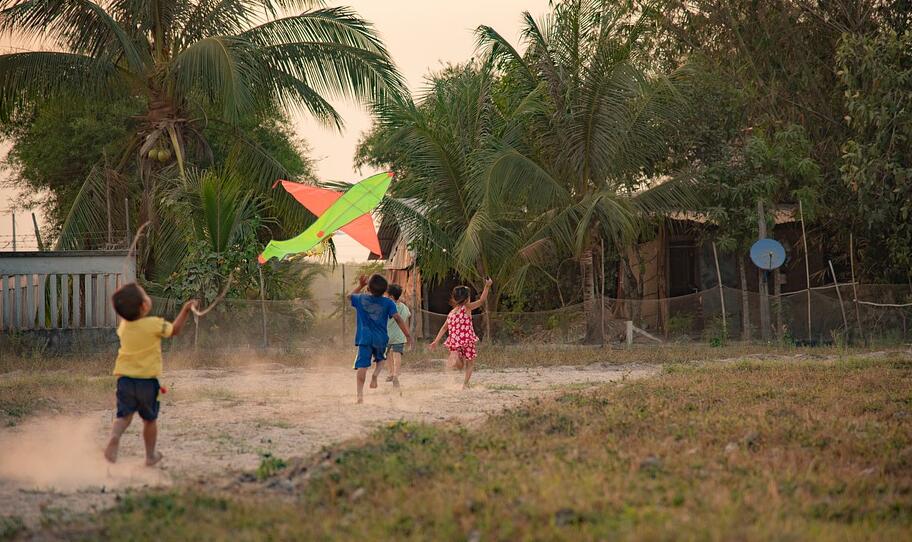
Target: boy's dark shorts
x=398 y=348
x=137 y=395
x=368 y=354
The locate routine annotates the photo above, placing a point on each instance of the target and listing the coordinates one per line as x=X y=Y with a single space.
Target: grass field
x=750 y=450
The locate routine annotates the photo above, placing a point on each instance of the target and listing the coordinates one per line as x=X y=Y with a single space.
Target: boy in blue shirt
x=373 y=313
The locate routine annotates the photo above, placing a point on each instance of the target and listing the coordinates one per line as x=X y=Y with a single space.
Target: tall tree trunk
x=630 y=291
x=590 y=304
x=490 y=305
x=745 y=300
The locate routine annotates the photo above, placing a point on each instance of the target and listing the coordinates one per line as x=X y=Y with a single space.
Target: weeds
x=10 y=526
x=269 y=466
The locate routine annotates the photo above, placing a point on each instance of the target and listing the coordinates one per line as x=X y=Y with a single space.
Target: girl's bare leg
x=469 y=367
x=454 y=360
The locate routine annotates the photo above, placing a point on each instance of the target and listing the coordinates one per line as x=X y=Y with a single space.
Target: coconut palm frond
x=81 y=26
x=28 y=77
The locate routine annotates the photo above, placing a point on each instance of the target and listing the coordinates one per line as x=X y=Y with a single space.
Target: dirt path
x=217 y=420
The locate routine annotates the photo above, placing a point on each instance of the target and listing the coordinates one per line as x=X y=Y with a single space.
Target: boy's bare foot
x=466 y=385
x=110 y=451
x=152 y=461
x=360 y=400
x=389 y=378
x=373 y=381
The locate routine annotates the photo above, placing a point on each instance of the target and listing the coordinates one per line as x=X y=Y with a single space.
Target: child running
x=373 y=314
x=139 y=364
x=396 y=337
x=461 y=338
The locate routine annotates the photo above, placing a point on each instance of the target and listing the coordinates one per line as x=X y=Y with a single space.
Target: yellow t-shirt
x=140 y=354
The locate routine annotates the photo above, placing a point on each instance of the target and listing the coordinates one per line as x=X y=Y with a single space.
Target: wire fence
x=881 y=316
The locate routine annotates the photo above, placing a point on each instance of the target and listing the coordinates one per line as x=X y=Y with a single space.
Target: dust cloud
x=63 y=454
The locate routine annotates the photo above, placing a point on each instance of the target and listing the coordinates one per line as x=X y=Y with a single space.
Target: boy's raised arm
x=362 y=282
x=178 y=324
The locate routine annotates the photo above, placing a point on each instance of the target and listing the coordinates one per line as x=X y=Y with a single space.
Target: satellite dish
x=767 y=254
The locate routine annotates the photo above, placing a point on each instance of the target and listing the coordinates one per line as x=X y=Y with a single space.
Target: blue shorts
x=137 y=395
x=367 y=354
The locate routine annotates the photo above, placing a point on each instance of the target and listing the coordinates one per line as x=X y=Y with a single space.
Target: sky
x=422 y=37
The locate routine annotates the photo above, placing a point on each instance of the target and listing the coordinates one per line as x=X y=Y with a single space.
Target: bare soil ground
x=222 y=419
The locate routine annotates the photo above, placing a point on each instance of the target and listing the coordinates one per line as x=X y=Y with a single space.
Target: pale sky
x=422 y=36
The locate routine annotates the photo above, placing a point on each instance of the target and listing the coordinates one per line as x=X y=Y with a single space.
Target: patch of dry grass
x=23 y=395
x=746 y=451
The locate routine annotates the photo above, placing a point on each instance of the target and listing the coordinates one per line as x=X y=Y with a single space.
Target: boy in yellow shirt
x=139 y=364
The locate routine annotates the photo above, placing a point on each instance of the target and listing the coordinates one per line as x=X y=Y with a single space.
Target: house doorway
x=683 y=271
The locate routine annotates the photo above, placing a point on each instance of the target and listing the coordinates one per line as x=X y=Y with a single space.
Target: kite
x=348 y=211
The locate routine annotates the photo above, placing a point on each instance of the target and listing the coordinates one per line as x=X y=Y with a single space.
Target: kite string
x=215 y=301
x=131 y=252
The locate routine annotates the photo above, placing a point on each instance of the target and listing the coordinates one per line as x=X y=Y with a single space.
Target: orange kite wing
x=317 y=200
x=362 y=230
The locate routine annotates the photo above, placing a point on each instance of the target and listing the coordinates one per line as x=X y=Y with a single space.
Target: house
x=678 y=267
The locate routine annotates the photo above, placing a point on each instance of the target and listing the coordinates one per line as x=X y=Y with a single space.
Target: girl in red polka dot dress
x=461 y=338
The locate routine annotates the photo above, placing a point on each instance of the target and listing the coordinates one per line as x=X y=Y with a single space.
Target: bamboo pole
x=127 y=220
x=14 y=232
x=855 y=289
x=602 y=301
x=108 y=200
x=845 y=321
x=721 y=294
x=807 y=266
x=342 y=301
x=263 y=307
x=763 y=278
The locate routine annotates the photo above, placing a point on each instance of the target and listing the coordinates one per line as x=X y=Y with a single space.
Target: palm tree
x=443 y=198
x=588 y=149
x=195 y=64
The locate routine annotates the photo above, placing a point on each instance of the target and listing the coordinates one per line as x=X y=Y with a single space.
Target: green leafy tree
x=766 y=66
x=193 y=65
x=59 y=142
x=770 y=168
x=876 y=73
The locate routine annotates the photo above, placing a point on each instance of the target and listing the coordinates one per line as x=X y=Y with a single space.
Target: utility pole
x=127 y=221
x=37 y=233
x=763 y=276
